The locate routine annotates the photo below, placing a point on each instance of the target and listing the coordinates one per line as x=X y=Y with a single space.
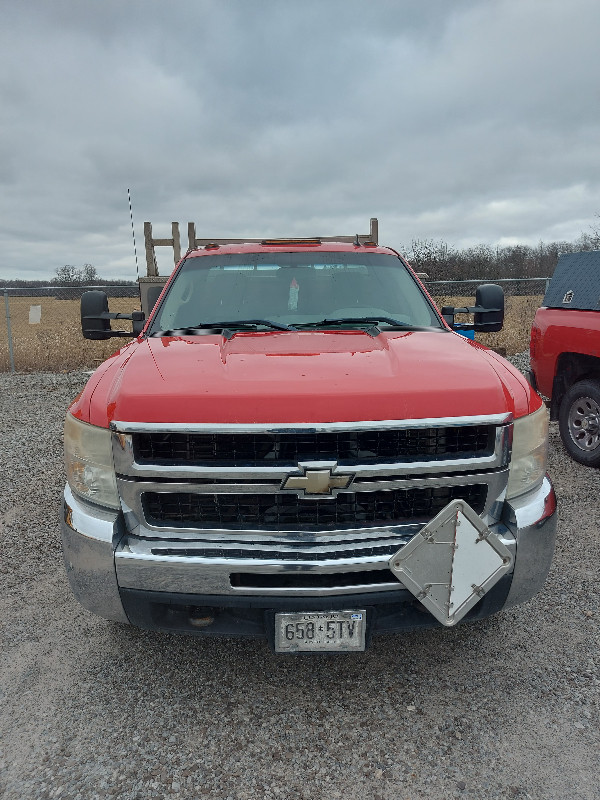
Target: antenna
x=137 y=269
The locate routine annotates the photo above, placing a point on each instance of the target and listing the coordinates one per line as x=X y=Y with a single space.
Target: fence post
x=9 y=333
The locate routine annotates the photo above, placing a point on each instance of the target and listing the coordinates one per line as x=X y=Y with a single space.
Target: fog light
x=201 y=618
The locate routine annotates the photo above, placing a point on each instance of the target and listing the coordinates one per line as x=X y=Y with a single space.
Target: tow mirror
x=138 y=320
x=94 y=323
x=95 y=318
x=488 y=310
x=489 y=303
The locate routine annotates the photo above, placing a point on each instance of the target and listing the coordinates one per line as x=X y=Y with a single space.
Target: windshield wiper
x=370 y=321
x=228 y=328
x=239 y=323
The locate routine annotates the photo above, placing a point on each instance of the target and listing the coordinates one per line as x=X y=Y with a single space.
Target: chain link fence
x=523 y=297
x=40 y=327
x=513 y=287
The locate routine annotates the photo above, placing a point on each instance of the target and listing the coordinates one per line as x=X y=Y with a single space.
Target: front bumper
x=173 y=592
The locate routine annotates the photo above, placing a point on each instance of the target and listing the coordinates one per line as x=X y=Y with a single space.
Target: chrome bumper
x=89 y=538
x=101 y=558
x=531 y=519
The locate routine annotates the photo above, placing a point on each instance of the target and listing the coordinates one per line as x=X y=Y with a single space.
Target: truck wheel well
x=571 y=368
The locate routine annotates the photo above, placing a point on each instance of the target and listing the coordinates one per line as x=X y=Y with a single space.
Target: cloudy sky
x=463 y=120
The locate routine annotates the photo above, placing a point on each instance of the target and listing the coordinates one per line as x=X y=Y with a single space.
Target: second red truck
x=565 y=353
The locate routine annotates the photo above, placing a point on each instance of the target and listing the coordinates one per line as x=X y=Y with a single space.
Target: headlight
x=89 y=462
x=529 y=452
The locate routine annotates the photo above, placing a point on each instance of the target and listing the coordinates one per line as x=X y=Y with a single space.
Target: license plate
x=320 y=632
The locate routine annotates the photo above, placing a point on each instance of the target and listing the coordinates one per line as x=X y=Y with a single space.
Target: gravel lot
x=507 y=708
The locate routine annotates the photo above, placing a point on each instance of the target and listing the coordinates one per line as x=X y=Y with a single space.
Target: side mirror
x=95 y=323
x=448 y=314
x=489 y=308
x=95 y=317
x=138 y=320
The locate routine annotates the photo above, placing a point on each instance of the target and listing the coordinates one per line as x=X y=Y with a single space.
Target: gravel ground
x=506 y=708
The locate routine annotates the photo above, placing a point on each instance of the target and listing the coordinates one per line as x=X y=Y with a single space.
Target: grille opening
x=353 y=550
x=287 y=511
x=310 y=580
x=345 y=447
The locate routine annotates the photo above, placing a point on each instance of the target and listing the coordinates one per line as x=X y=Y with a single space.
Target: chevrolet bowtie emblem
x=317 y=481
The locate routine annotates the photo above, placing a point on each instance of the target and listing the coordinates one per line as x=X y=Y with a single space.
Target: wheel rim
x=584 y=423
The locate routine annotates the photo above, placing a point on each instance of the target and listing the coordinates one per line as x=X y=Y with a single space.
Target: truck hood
x=312 y=376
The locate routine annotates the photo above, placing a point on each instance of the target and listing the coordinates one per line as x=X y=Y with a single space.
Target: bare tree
x=75 y=276
x=68 y=275
x=89 y=274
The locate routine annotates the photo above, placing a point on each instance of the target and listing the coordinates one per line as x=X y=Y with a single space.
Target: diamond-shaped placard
x=452 y=562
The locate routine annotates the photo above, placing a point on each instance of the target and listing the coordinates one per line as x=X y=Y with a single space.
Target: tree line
x=68 y=275
x=444 y=263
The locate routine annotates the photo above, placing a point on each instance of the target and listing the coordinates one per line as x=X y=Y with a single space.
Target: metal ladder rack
x=195 y=242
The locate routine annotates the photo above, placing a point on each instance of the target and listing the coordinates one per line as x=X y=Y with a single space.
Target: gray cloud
x=466 y=121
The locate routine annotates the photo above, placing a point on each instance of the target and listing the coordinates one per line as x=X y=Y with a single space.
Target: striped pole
x=9 y=332
x=133 y=234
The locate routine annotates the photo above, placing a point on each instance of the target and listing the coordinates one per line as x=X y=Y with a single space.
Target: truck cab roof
x=288 y=246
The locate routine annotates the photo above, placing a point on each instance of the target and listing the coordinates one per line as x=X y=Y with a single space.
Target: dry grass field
x=56 y=343
x=514 y=336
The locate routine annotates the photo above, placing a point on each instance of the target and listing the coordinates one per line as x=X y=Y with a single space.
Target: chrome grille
x=350 y=509
x=345 y=447
x=208 y=500
x=207 y=503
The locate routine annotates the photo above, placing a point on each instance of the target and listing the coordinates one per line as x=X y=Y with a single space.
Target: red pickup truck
x=565 y=353
x=298 y=446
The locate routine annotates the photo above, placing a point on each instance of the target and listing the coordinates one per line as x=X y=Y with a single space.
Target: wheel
x=579 y=422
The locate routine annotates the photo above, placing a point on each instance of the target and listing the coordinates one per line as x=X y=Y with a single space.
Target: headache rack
x=194 y=242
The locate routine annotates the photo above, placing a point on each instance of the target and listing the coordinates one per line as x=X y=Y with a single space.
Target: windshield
x=294 y=289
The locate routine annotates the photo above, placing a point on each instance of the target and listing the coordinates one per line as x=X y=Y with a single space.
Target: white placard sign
x=35 y=315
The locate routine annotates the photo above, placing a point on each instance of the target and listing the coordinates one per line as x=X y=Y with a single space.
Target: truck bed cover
x=576 y=282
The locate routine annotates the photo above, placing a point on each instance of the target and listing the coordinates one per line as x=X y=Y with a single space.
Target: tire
x=579 y=422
